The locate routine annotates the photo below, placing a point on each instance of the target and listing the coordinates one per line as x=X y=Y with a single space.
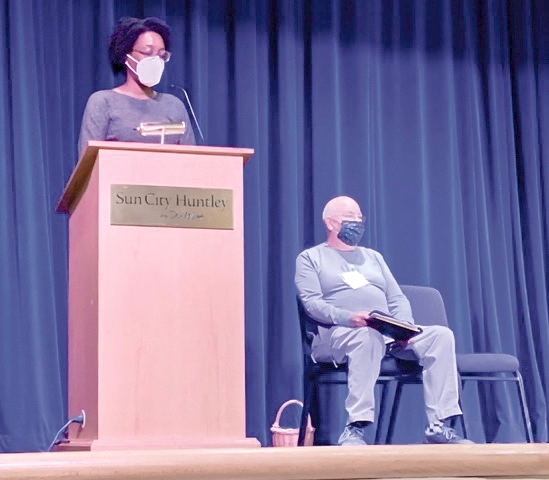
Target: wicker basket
x=287 y=437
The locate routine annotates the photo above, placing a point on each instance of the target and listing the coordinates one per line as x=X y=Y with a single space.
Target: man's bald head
x=341 y=206
x=336 y=211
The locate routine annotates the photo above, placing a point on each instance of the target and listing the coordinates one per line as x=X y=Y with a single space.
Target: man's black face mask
x=351 y=232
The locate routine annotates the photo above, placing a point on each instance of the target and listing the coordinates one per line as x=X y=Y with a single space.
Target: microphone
x=189 y=107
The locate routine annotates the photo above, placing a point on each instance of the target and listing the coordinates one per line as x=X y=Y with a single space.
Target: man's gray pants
x=363 y=349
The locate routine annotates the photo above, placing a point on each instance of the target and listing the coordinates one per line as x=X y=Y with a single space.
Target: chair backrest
x=427 y=305
x=308 y=326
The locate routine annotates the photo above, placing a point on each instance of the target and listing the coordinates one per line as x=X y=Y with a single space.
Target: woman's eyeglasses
x=163 y=54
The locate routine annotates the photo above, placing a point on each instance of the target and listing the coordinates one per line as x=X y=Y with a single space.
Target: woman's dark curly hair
x=125 y=34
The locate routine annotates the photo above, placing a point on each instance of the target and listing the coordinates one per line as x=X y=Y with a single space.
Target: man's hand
x=359 y=319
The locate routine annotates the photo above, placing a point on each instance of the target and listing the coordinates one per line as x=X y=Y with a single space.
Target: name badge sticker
x=354 y=279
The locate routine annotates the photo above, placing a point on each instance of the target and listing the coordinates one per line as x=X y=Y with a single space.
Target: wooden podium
x=156 y=313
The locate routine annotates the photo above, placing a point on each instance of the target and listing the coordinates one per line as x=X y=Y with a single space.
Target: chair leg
x=381 y=414
x=461 y=384
x=309 y=385
x=394 y=411
x=524 y=408
x=463 y=427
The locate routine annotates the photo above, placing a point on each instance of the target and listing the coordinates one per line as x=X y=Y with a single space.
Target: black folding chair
x=323 y=373
x=428 y=309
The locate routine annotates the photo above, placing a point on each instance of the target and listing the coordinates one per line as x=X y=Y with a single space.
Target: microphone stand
x=189 y=107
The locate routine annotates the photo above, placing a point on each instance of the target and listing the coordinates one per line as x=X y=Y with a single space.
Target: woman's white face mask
x=149 y=69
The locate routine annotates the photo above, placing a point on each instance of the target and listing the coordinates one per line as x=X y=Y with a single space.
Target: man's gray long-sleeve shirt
x=329 y=299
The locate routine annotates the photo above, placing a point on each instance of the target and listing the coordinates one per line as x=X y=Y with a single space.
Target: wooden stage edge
x=493 y=461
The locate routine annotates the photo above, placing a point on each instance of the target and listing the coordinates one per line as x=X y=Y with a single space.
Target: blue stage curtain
x=432 y=114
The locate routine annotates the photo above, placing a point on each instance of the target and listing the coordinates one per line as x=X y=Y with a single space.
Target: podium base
x=155 y=444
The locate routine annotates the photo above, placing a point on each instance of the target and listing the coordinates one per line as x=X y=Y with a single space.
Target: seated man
x=339 y=284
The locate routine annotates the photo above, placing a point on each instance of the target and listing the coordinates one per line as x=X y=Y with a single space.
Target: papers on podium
x=391 y=327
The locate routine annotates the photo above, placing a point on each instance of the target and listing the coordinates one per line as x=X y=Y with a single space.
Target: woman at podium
x=138 y=49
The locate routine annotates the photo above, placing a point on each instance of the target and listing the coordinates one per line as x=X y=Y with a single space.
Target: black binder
x=391 y=327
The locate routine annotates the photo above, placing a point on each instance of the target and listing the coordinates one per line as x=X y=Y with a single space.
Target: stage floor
x=494 y=461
